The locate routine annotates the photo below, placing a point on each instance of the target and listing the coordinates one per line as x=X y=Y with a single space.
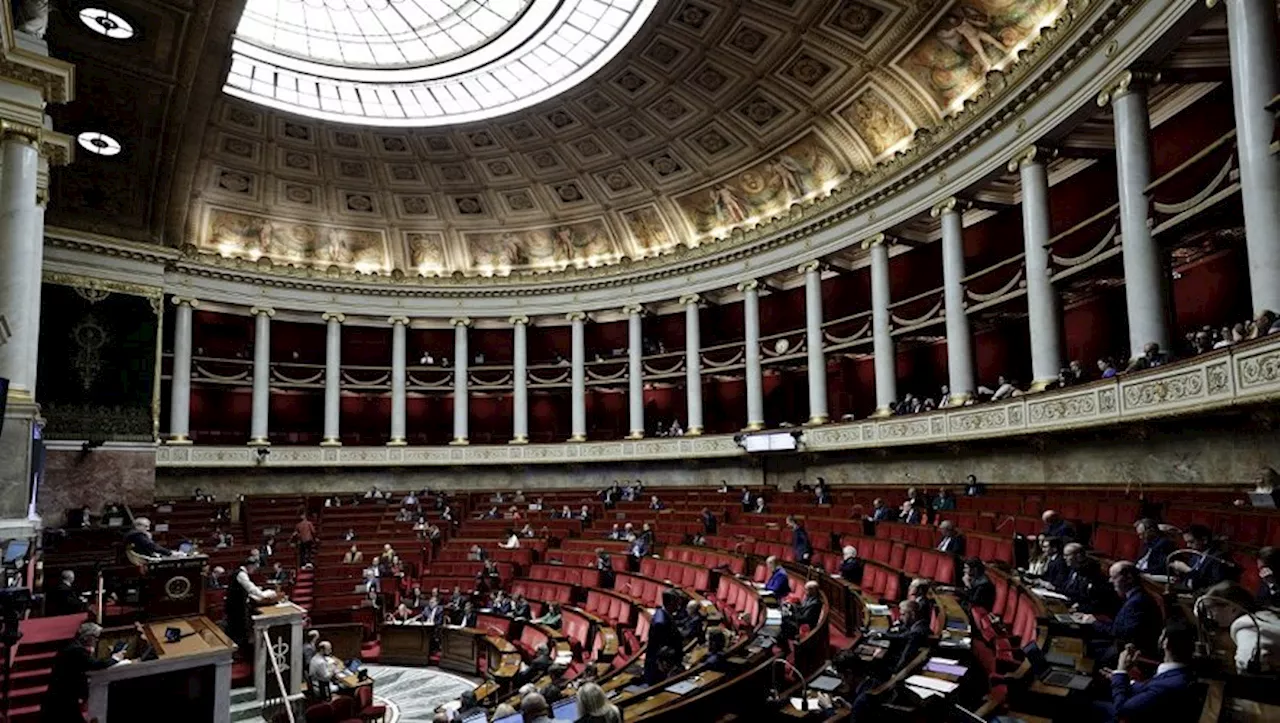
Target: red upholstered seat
x=367 y=710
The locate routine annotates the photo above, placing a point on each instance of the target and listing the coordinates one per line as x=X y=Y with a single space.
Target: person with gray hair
x=534 y=709
x=69 y=681
x=139 y=540
x=850 y=565
x=594 y=706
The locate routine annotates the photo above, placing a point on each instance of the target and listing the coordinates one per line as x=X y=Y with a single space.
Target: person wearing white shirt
x=512 y=543
x=242 y=596
x=322 y=670
x=1255 y=629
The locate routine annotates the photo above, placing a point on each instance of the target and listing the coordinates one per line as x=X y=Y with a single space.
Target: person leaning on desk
x=69 y=680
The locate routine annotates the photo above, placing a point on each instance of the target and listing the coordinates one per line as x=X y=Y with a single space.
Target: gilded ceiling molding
x=101 y=285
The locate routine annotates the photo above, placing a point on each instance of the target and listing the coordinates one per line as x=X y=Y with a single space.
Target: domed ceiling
x=718 y=115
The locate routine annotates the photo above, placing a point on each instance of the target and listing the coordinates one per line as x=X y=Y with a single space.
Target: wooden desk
x=1069 y=646
x=407 y=643
x=702 y=681
x=460 y=649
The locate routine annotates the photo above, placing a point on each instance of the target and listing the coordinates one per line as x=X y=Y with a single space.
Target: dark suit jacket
x=63 y=600
x=981 y=594
x=1138 y=621
x=884 y=514
x=709 y=524
x=953 y=545
x=909 y=641
x=1166 y=698
x=1206 y=571
x=1060 y=529
x=851 y=570
x=800 y=545
x=808 y=612
x=142 y=544
x=663 y=633
x=1268 y=594
x=69 y=683
x=1056 y=573
x=1152 y=555
x=1089 y=589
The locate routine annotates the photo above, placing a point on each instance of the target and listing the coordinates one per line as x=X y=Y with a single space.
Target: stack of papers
x=878 y=609
x=1050 y=594
x=922 y=683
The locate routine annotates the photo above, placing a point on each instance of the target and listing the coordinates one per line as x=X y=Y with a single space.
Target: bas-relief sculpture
x=802 y=170
x=583 y=244
x=233 y=233
x=973 y=37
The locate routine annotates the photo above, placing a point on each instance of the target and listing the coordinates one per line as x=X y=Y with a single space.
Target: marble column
x=635 y=369
x=817 y=361
x=578 y=377
x=261 y=375
x=1255 y=80
x=520 y=380
x=332 y=379
x=399 y=379
x=1043 y=317
x=180 y=389
x=35 y=291
x=693 y=362
x=21 y=251
x=751 y=354
x=461 y=395
x=960 y=375
x=886 y=363
x=1144 y=275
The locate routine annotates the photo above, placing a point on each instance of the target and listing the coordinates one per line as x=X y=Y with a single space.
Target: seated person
x=952 y=541
x=1255 y=629
x=1085 y=586
x=402 y=614
x=467 y=618
x=323 y=671
x=715 y=660
x=655 y=503
x=850 y=565
x=520 y=607
x=1206 y=566
x=536 y=667
x=64 y=599
x=777 y=581
x=1168 y=696
x=709 y=522
x=1156 y=547
x=432 y=612
x=1055 y=526
x=1049 y=567
x=694 y=622
x=906 y=639
x=604 y=564
x=1269 y=583
x=921 y=590
x=551 y=617
x=1138 y=621
x=354 y=555
x=911 y=513
x=880 y=512
x=139 y=540
x=807 y=612
x=979 y=592
x=512 y=543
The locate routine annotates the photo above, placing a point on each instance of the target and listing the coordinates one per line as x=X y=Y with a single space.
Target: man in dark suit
x=1168 y=696
x=140 y=543
x=1156 y=547
x=64 y=599
x=1085 y=585
x=906 y=640
x=952 y=541
x=1206 y=567
x=808 y=612
x=1268 y=582
x=468 y=619
x=1137 y=622
x=709 y=522
x=979 y=592
x=822 y=493
x=694 y=623
x=850 y=565
x=801 y=548
x=69 y=680
x=537 y=667
x=880 y=512
x=1055 y=526
x=663 y=633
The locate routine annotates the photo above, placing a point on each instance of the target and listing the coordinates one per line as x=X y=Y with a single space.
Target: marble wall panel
x=74 y=478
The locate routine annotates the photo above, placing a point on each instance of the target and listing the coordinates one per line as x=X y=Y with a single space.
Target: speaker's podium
x=172 y=586
x=188 y=680
x=282 y=625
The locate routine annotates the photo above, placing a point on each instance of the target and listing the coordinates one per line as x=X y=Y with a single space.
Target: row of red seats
x=506 y=570
x=454 y=552
x=580 y=576
x=685 y=575
x=707 y=558
x=739 y=601
x=545 y=591
x=1245 y=527
x=647 y=591
x=617 y=610
x=912 y=561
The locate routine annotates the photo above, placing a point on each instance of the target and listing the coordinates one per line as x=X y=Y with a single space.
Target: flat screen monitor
x=770 y=442
x=514 y=718
x=566 y=709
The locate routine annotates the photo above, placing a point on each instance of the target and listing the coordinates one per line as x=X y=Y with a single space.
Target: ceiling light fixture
x=106 y=23
x=98 y=143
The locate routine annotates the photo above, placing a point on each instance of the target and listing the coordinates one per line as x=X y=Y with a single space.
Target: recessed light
x=99 y=143
x=107 y=23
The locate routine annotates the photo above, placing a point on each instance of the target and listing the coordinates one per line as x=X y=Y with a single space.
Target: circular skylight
x=107 y=23
x=422 y=62
x=99 y=143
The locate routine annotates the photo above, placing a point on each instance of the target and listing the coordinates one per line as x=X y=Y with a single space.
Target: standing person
x=69 y=681
x=664 y=633
x=801 y=548
x=242 y=594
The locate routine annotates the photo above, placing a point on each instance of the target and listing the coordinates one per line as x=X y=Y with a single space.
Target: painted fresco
x=584 y=244
x=232 y=233
x=649 y=234
x=426 y=252
x=970 y=39
x=880 y=126
x=801 y=170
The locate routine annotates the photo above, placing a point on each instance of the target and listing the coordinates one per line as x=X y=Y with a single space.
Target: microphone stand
x=1255 y=660
x=804 y=684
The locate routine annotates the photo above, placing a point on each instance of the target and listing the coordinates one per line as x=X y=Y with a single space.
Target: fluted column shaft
x=635 y=369
x=332 y=379
x=886 y=366
x=578 y=374
x=817 y=360
x=21 y=251
x=693 y=362
x=261 y=399
x=399 y=379
x=520 y=374
x=461 y=393
x=1144 y=284
x=1043 y=316
x=751 y=354
x=960 y=376
x=1255 y=80
x=180 y=389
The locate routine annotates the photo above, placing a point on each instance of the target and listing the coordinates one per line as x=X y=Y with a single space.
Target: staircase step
x=243 y=695
x=33 y=673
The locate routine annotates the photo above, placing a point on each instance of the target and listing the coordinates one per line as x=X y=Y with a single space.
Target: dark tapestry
x=97 y=364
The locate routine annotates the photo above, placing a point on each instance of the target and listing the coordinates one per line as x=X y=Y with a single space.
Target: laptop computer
x=516 y=718
x=566 y=709
x=825 y=683
x=1050 y=675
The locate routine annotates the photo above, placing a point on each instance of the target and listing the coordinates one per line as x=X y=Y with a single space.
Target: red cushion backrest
x=897 y=554
x=892 y=587
x=928 y=565
x=911 y=562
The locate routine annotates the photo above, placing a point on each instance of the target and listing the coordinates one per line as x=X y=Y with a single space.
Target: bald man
x=1138 y=622
x=808 y=612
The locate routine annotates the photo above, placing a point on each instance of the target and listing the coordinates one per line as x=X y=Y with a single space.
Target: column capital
x=576 y=316
x=879 y=239
x=260 y=310
x=633 y=309
x=690 y=299
x=180 y=300
x=808 y=266
x=958 y=205
x=518 y=319
x=460 y=321
x=337 y=316
x=1032 y=154
x=1128 y=81
x=11 y=130
x=401 y=320
x=749 y=285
